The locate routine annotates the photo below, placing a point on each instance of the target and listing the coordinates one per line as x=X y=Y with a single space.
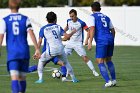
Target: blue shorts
x=103 y=51
x=19 y=65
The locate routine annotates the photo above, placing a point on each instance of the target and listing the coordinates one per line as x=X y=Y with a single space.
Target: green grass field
x=126 y=60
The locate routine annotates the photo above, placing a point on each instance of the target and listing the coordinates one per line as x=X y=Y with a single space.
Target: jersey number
x=15 y=28
x=55 y=34
x=104 y=22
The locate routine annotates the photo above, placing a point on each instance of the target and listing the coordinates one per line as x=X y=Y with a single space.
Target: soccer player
x=76 y=40
x=16 y=26
x=102 y=30
x=55 y=60
x=54 y=47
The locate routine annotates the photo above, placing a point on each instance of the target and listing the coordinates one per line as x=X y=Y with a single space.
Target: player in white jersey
x=76 y=40
x=54 y=47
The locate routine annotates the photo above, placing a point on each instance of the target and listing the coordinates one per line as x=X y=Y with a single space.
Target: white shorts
x=78 y=47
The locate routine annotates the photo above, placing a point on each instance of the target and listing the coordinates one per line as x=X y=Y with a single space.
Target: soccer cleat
x=64 y=79
x=75 y=80
x=114 y=82
x=39 y=81
x=95 y=73
x=109 y=84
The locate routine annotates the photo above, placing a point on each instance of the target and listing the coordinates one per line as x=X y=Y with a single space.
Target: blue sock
x=15 y=86
x=63 y=71
x=111 y=69
x=22 y=86
x=32 y=68
x=104 y=72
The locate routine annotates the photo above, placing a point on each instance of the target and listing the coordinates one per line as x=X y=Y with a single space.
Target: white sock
x=40 y=70
x=90 y=65
x=70 y=70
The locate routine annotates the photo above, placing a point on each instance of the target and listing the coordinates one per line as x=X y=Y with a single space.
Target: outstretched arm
x=37 y=51
x=67 y=36
x=66 y=29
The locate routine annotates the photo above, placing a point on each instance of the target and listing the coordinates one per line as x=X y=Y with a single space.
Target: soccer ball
x=56 y=74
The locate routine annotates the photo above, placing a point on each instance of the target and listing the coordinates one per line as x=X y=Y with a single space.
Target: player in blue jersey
x=54 y=47
x=16 y=26
x=102 y=30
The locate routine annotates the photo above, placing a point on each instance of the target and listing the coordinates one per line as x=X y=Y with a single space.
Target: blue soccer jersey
x=102 y=25
x=16 y=26
x=103 y=37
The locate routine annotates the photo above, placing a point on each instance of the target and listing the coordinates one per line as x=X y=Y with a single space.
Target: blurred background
x=61 y=3
x=125 y=15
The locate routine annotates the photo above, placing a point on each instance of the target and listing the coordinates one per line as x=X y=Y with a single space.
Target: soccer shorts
x=103 y=51
x=78 y=47
x=21 y=65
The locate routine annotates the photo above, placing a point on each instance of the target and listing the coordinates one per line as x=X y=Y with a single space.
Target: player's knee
x=107 y=59
x=22 y=76
x=100 y=60
x=14 y=74
x=85 y=58
x=60 y=63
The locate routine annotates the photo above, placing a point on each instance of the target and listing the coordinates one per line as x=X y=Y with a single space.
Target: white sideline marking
x=2 y=65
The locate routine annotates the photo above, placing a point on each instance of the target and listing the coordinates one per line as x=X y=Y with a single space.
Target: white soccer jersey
x=79 y=25
x=52 y=33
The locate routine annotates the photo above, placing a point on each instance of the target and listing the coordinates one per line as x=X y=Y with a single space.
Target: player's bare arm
x=39 y=42
x=1 y=40
x=66 y=28
x=67 y=36
x=91 y=35
x=113 y=31
x=37 y=52
x=87 y=38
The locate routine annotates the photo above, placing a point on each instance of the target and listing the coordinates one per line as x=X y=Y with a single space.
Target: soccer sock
x=32 y=68
x=111 y=69
x=70 y=70
x=63 y=71
x=15 y=86
x=90 y=65
x=104 y=72
x=40 y=70
x=22 y=86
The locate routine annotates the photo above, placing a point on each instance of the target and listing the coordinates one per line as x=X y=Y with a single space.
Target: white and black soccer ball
x=56 y=74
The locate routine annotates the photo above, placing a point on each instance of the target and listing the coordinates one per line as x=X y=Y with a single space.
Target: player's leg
x=13 y=68
x=101 y=53
x=68 y=51
x=63 y=69
x=44 y=57
x=24 y=65
x=81 y=52
x=34 y=67
x=69 y=68
x=110 y=64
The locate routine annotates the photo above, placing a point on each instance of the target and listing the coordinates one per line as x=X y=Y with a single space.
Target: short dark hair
x=73 y=11
x=51 y=17
x=14 y=4
x=96 y=6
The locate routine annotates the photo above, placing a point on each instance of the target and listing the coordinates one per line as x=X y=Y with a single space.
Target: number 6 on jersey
x=15 y=28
